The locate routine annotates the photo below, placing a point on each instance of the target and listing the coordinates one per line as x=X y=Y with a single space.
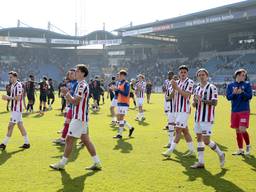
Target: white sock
x=64 y=160
x=200 y=150
x=215 y=148
x=171 y=133
x=113 y=118
x=172 y=147
x=120 y=132
x=190 y=146
x=6 y=139
x=128 y=125
x=26 y=141
x=121 y=127
x=96 y=159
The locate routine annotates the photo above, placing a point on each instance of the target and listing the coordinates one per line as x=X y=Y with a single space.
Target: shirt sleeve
x=19 y=89
x=247 y=94
x=214 y=93
x=190 y=86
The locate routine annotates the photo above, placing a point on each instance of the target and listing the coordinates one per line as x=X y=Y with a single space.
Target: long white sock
x=200 y=150
x=139 y=115
x=114 y=119
x=96 y=159
x=121 y=127
x=171 y=133
x=26 y=141
x=172 y=147
x=190 y=146
x=64 y=160
x=127 y=124
x=6 y=139
x=215 y=148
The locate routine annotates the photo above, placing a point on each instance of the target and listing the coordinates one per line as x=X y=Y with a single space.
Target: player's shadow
x=143 y=123
x=250 y=160
x=4 y=156
x=222 y=147
x=24 y=115
x=73 y=156
x=76 y=184
x=114 y=128
x=215 y=181
x=59 y=114
x=38 y=115
x=123 y=146
x=4 y=112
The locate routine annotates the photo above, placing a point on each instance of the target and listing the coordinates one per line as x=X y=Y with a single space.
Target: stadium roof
x=32 y=32
x=41 y=36
x=234 y=15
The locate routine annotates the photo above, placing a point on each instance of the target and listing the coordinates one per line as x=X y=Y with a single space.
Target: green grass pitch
x=128 y=165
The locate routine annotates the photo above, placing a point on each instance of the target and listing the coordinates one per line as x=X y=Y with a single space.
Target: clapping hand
x=174 y=84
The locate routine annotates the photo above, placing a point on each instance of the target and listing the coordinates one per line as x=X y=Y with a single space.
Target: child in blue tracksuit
x=240 y=93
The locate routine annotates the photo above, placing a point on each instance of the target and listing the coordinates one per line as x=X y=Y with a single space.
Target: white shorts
x=140 y=101
x=77 y=128
x=167 y=107
x=16 y=117
x=204 y=128
x=122 y=110
x=172 y=118
x=182 y=120
x=114 y=102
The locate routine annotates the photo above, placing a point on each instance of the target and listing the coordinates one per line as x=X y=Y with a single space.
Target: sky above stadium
x=91 y=14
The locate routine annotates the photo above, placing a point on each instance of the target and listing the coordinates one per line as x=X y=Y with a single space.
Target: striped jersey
x=171 y=101
x=205 y=112
x=16 y=90
x=166 y=86
x=81 y=110
x=182 y=104
x=140 y=88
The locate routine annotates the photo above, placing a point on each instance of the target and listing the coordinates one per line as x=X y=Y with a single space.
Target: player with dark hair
x=16 y=111
x=183 y=89
x=123 y=100
x=205 y=101
x=43 y=88
x=79 y=124
x=50 y=94
x=31 y=87
x=239 y=93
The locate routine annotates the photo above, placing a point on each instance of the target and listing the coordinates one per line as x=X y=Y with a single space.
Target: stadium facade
x=220 y=39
